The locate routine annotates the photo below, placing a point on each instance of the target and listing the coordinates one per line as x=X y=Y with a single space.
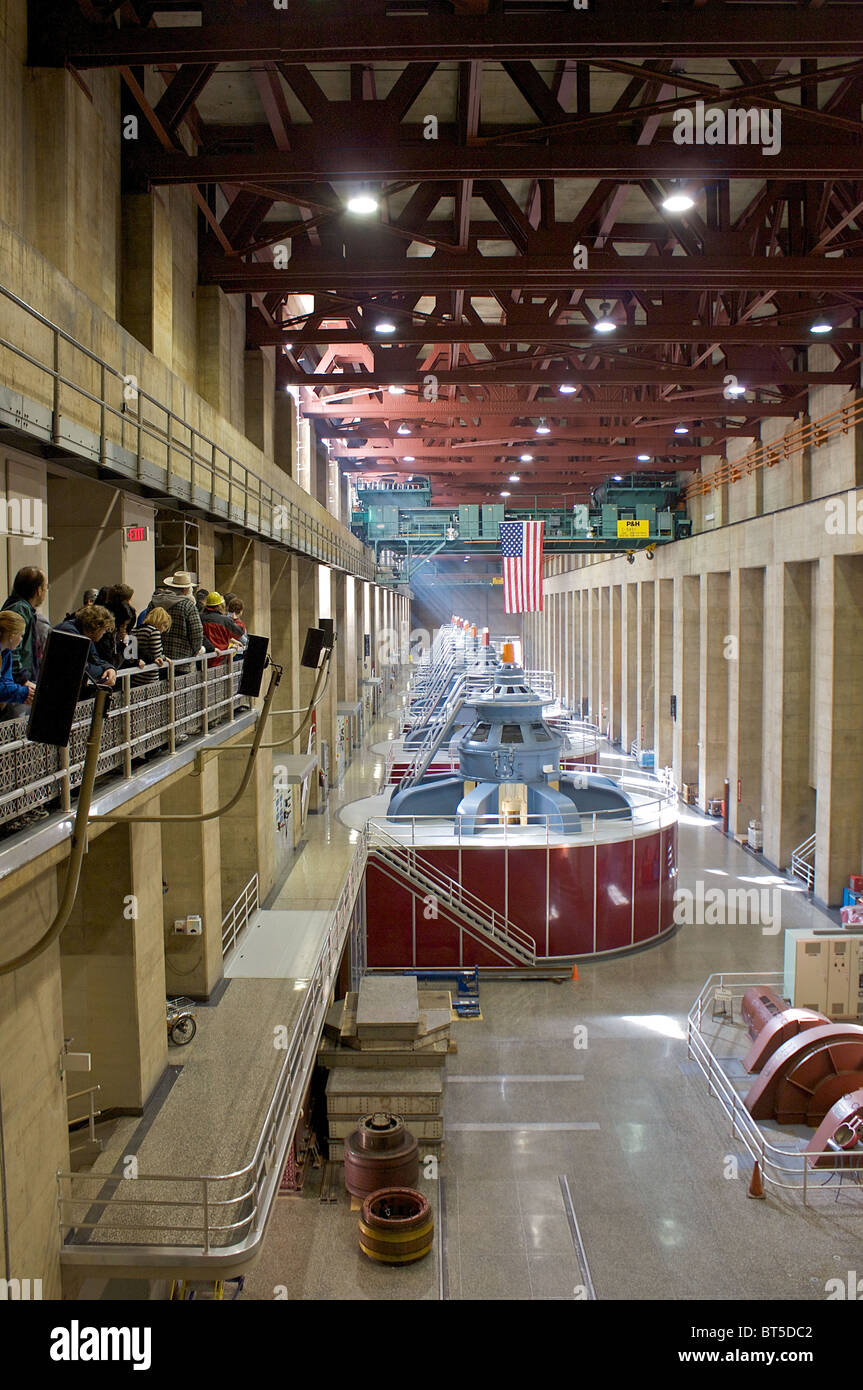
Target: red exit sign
x=137 y=533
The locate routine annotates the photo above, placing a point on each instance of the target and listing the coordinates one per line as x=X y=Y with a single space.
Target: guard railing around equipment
x=238 y=916
x=783 y=1167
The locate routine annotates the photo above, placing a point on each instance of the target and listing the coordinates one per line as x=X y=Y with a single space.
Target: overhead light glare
x=363 y=204
x=402 y=429
x=644 y=458
x=525 y=458
x=678 y=202
x=566 y=389
x=821 y=327
x=396 y=390
x=385 y=327
x=515 y=477
x=605 y=323
x=681 y=429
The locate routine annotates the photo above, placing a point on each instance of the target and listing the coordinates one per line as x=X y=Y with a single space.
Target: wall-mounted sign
x=136 y=533
x=633 y=528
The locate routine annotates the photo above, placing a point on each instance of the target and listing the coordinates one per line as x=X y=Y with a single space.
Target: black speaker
x=254 y=663
x=674 y=707
x=328 y=628
x=58 y=688
x=314 y=646
x=367 y=645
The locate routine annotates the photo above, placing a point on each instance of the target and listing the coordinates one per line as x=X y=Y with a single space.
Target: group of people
x=177 y=623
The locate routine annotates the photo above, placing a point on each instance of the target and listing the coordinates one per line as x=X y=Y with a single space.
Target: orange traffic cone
x=574 y=971
x=756 y=1186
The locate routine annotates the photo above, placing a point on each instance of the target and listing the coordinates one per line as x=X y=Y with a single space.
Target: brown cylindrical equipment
x=396 y=1226
x=758 y=1006
x=380 y=1152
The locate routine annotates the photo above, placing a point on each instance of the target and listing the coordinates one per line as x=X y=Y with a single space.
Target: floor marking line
x=443 y=1268
x=574 y=1231
x=508 y=1076
x=524 y=1124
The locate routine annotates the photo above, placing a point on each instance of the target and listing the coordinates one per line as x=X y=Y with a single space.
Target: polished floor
x=581 y=1145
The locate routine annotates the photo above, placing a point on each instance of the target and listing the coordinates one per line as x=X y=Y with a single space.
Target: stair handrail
x=496 y=924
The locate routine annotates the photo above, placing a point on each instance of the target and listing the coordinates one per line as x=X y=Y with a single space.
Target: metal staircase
x=436 y=734
x=404 y=866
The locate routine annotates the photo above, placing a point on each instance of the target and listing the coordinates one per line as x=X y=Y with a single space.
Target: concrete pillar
x=146 y=273
x=243 y=568
x=113 y=964
x=663 y=651
x=246 y=833
x=327 y=716
x=285 y=433
x=346 y=626
x=745 y=696
x=215 y=363
x=35 y=1133
x=646 y=674
x=616 y=661
x=839 y=726
x=629 y=726
x=789 y=799
x=191 y=871
x=286 y=639
x=713 y=688
x=687 y=638
x=259 y=380
x=595 y=655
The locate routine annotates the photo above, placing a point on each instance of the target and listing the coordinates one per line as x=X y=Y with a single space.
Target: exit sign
x=137 y=533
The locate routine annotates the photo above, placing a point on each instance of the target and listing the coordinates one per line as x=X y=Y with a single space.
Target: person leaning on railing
x=93 y=622
x=12 y=628
x=185 y=636
x=148 y=638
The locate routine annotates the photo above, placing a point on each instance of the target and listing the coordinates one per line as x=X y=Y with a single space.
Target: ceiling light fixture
x=506 y=494
x=542 y=427
x=644 y=458
x=515 y=477
x=363 y=204
x=681 y=429
x=409 y=458
x=385 y=327
x=525 y=458
x=678 y=202
x=396 y=390
x=402 y=429
x=605 y=323
x=821 y=327
x=566 y=389
x=736 y=390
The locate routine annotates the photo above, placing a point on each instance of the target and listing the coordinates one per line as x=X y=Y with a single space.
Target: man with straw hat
x=185 y=636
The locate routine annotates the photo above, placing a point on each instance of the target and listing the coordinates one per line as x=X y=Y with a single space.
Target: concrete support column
x=595 y=655
x=646 y=674
x=839 y=724
x=663 y=651
x=113 y=964
x=616 y=660
x=629 y=723
x=243 y=568
x=286 y=638
x=285 y=433
x=327 y=718
x=190 y=868
x=605 y=654
x=146 y=272
x=346 y=626
x=259 y=379
x=246 y=833
x=214 y=348
x=687 y=642
x=713 y=688
x=745 y=696
x=35 y=1133
x=789 y=800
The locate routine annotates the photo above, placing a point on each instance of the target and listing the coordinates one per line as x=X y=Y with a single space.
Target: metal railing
x=122 y=427
x=803 y=861
x=90 y=1116
x=783 y=1168
x=237 y=917
x=222 y=1220
x=480 y=918
x=189 y=696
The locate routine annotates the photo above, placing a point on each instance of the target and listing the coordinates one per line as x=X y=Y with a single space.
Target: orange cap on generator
x=508 y=655
x=473 y=630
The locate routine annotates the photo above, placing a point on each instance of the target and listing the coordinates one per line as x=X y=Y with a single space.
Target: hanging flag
x=521 y=548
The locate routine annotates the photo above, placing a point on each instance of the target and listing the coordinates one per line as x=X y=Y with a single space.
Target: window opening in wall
x=178 y=543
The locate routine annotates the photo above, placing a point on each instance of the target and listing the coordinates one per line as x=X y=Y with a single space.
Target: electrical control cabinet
x=823 y=972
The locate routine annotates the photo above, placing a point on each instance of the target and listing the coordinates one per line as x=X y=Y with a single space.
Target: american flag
x=521 y=548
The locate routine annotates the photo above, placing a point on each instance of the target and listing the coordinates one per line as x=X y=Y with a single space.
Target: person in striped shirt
x=148 y=637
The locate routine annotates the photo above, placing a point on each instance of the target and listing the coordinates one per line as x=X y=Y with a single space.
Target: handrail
x=236 y=919
x=787 y=1169
x=258 y=1179
x=798 y=438
x=304 y=532
x=803 y=861
x=456 y=896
